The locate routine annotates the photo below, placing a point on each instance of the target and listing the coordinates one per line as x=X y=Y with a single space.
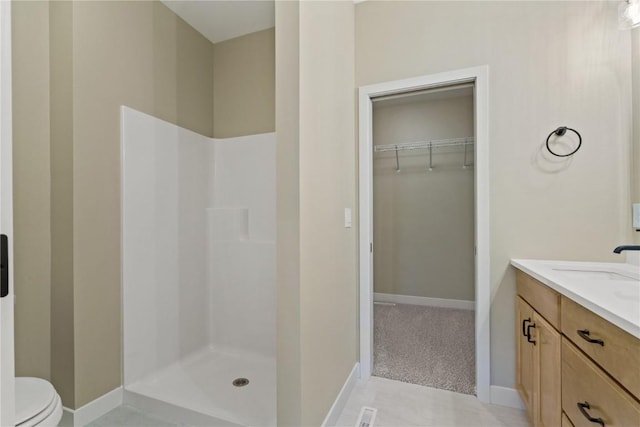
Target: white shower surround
x=198 y=260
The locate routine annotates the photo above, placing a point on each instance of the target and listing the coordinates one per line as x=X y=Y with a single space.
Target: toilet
x=37 y=403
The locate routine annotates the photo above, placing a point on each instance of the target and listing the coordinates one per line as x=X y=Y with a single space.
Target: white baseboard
x=505 y=396
x=341 y=400
x=432 y=302
x=94 y=409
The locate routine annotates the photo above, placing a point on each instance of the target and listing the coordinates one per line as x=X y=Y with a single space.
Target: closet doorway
x=424 y=250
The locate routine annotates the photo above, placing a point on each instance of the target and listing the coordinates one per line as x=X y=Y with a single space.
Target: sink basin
x=598 y=274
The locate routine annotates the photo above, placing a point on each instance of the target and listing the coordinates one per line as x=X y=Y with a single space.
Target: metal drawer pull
x=524 y=334
x=583 y=408
x=584 y=334
x=533 y=325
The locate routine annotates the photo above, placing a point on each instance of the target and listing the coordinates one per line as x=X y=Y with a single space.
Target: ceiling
x=220 y=20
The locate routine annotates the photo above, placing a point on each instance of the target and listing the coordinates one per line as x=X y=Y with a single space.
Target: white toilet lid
x=33 y=395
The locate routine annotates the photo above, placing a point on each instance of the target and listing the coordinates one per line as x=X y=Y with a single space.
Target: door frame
x=480 y=77
x=7 y=362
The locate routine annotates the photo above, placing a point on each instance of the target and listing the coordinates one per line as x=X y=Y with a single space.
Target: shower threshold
x=199 y=390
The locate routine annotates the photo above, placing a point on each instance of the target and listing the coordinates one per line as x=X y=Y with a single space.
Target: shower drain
x=240 y=382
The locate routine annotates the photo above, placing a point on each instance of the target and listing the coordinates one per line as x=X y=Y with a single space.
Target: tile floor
x=399 y=405
x=127 y=416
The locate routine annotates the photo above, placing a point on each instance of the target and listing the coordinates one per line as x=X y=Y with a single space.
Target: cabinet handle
x=584 y=334
x=524 y=334
x=533 y=325
x=583 y=409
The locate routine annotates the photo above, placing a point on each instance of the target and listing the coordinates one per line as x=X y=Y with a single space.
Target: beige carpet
x=429 y=346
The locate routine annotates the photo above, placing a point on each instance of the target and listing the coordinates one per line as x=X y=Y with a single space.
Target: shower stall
x=198 y=285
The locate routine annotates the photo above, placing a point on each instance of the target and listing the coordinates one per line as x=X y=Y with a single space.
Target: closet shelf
x=429 y=145
x=421 y=145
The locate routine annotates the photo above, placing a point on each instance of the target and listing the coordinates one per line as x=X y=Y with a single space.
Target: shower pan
x=198 y=285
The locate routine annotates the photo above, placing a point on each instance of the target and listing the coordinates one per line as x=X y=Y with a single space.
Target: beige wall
x=328 y=262
x=62 y=260
x=244 y=85
x=88 y=58
x=635 y=175
x=288 y=359
x=578 y=75
x=32 y=262
x=316 y=174
x=423 y=221
x=116 y=62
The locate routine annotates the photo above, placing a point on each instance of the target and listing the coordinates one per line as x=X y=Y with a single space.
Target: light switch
x=636 y=216
x=347 y=217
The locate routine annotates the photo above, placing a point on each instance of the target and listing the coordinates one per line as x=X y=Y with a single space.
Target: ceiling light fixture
x=629 y=14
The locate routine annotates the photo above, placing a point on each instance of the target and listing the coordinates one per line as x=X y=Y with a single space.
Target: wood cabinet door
x=547 y=376
x=524 y=355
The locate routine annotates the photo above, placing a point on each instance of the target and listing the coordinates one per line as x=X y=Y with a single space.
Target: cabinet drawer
x=620 y=354
x=584 y=382
x=542 y=298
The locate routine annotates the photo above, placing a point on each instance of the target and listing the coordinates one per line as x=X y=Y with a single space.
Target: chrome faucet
x=626 y=248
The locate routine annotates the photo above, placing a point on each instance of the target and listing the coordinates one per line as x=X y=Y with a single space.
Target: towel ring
x=560 y=132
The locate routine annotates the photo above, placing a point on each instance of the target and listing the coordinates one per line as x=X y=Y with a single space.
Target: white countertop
x=588 y=284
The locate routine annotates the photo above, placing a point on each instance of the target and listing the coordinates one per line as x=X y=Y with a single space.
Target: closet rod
x=421 y=145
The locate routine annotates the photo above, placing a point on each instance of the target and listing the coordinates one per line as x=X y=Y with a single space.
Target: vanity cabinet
x=574 y=368
x=538 y=351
